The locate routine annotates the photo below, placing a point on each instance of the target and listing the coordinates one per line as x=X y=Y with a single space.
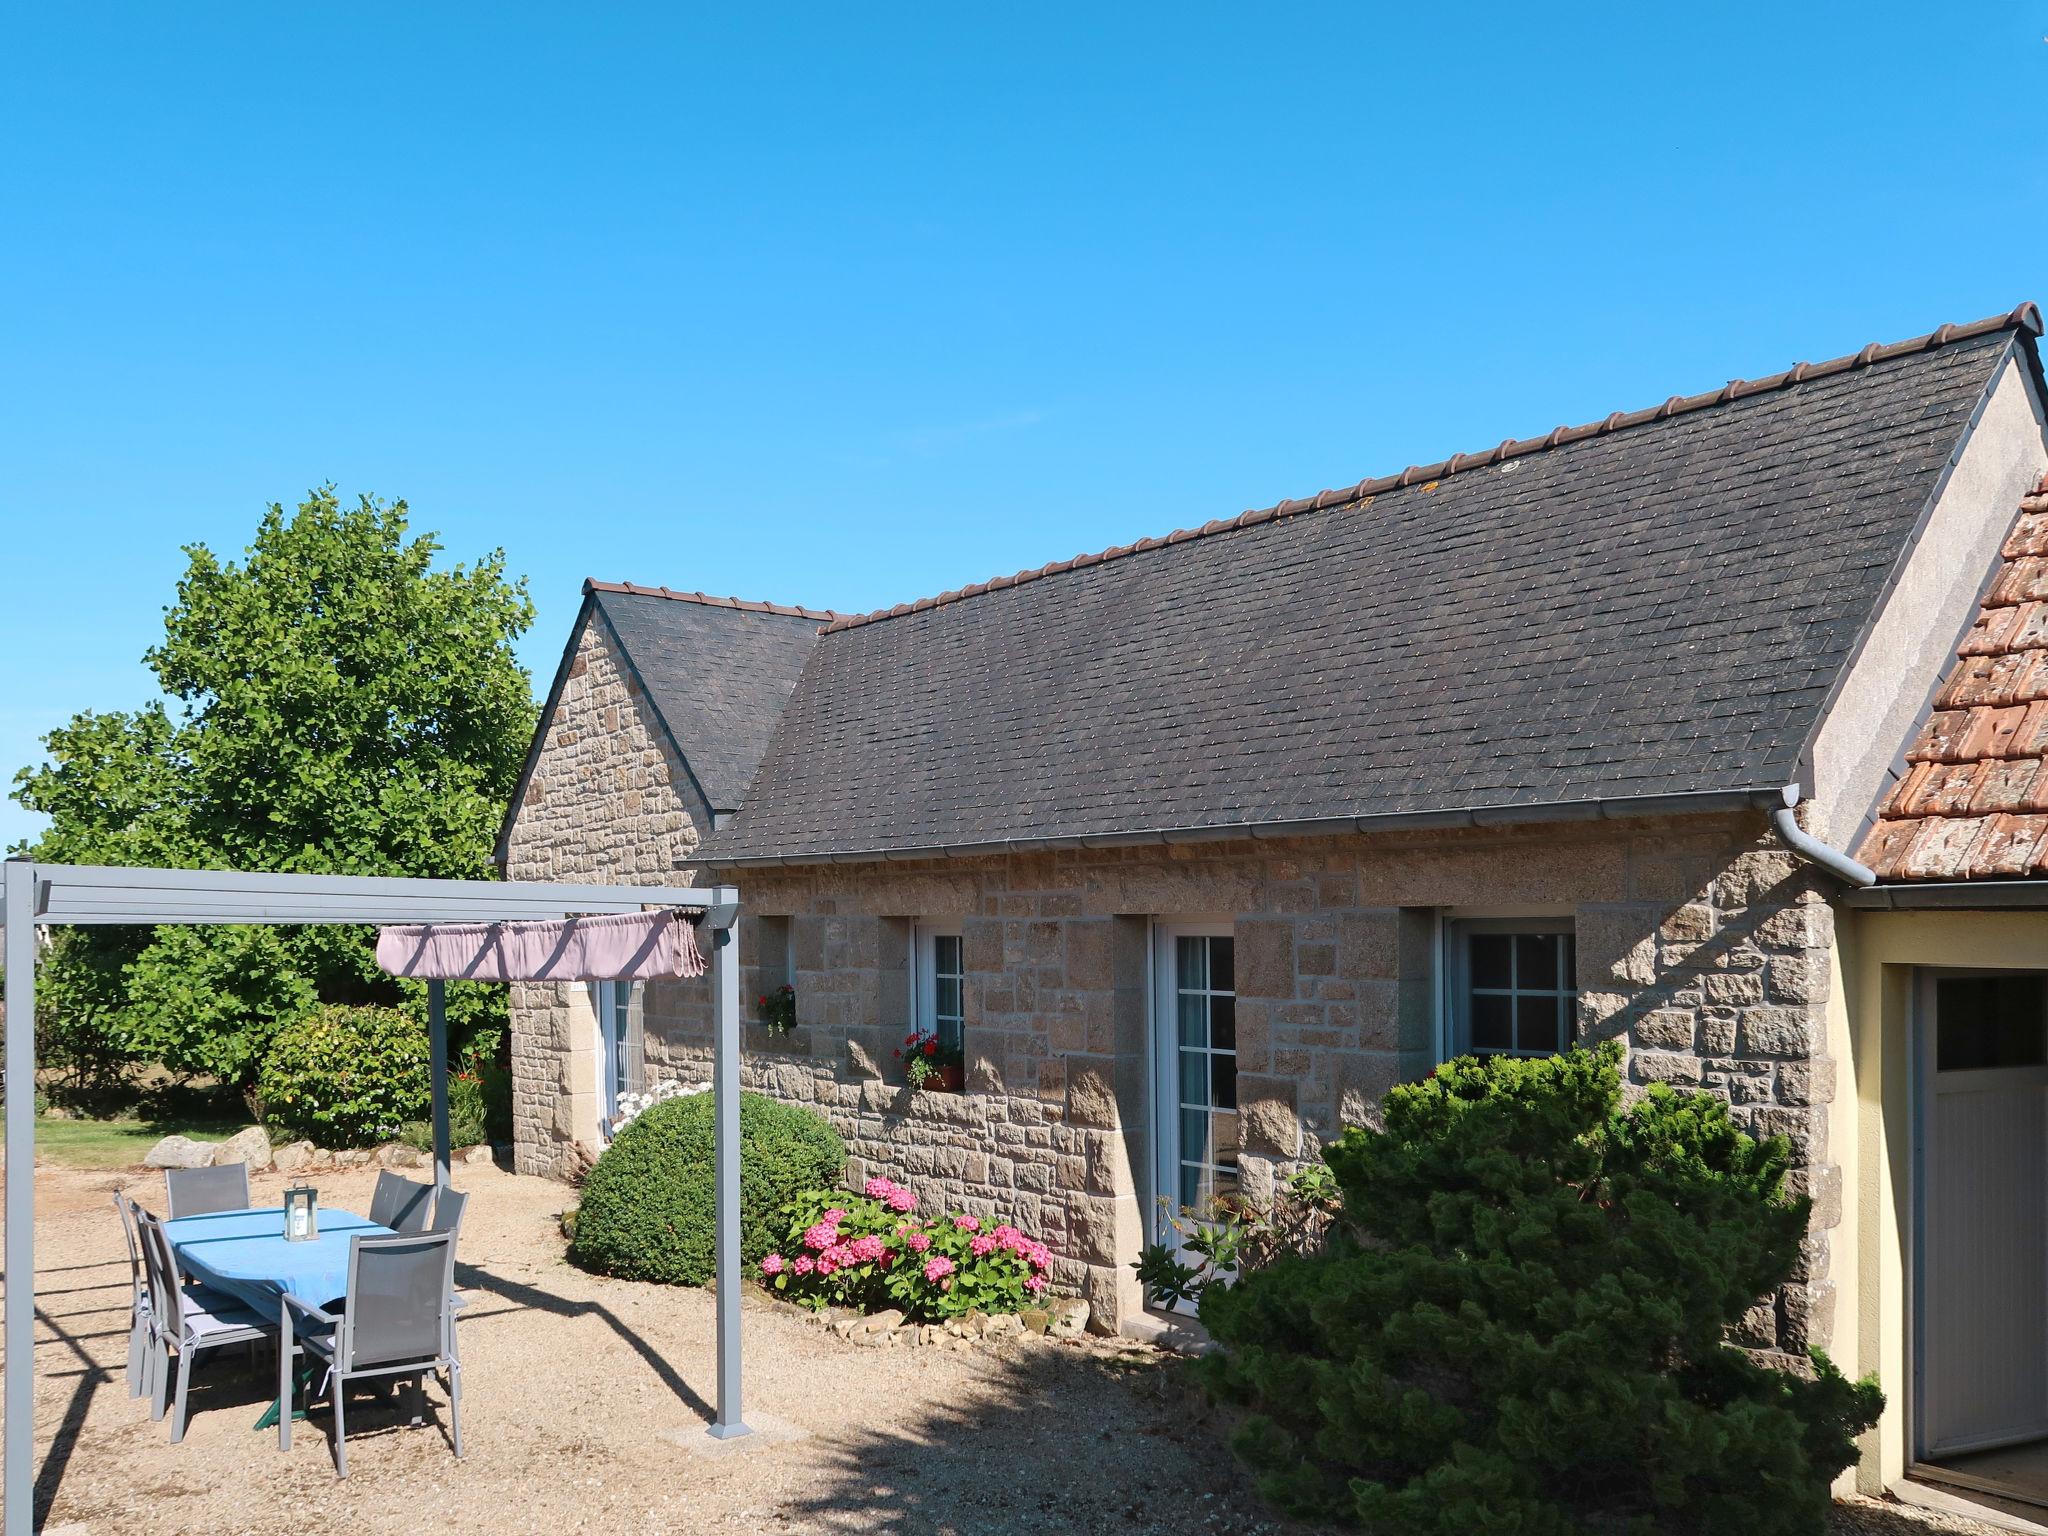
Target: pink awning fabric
x=618 y=947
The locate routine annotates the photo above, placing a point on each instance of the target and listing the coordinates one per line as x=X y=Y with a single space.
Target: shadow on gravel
x=1061 y=1441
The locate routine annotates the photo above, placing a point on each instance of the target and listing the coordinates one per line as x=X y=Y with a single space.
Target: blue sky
x=844 y=305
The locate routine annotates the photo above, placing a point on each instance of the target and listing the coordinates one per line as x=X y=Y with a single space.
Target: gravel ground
x=585 y=1405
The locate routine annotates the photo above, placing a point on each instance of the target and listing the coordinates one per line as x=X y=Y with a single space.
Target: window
x=621 y=1041
x=1514 y=987
x=1986 y=1022
x=940 y=985
x=1198 y=1137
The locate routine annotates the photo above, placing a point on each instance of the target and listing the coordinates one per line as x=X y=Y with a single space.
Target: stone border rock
x=1063 y=1317
x=252 y=1146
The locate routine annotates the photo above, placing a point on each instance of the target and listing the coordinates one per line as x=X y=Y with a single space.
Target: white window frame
x=1165 y=1106
x=1454 y=1029
x=613 y=1010
x=924 y=979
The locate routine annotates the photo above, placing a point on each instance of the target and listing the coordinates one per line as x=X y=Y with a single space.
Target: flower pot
x=952 y=1079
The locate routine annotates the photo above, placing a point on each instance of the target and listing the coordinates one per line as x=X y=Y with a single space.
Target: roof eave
x=1605 y=809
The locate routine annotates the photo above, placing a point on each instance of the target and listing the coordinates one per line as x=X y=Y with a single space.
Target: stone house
x=1198 y=845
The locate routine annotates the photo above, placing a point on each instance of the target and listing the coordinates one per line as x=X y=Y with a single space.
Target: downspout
x=1810 y=848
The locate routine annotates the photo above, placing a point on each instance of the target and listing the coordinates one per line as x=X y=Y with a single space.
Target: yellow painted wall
x=1871 y=1133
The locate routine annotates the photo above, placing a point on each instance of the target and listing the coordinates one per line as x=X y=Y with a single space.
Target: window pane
x=1492 y=1022
x=1223 y=1023
x=1194 y=1077
x=1194 y=1021
x=1223 y=1182
x=1568 y=947
x=1223 y=1081
x=1191 y=1186
x=946 y=954
x=1492 y=965
x=1990 y=1021
x=1192 y=963
x=1222 y=965
x=949 y=1033
x=1536 y=961
x=1536 y=1024
x=947 y=993
x=1223 y=1137
x=1194 y=1135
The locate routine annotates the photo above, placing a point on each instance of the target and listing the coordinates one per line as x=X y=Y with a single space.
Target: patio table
x=246 y=1254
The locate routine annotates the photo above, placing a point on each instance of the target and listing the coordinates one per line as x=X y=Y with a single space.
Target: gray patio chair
x=397 y=1324
x=448 y=1207
x=141 y=1317
x=399 y=1203
x=189 y=1318
x=203 y=1191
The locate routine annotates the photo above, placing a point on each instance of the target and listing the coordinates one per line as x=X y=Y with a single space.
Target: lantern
x=301 y=1214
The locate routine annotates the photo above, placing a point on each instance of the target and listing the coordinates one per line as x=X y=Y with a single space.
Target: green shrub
x=1524 y=1326
x=468 y=1116
x=345 y=1076
x=647 y=1210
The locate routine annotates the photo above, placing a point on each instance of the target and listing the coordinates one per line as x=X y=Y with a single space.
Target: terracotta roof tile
x=1974 y=803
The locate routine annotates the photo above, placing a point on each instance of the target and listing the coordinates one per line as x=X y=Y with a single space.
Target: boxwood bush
x=346 y=1076
x=1521 y=1324
x=647 y=1211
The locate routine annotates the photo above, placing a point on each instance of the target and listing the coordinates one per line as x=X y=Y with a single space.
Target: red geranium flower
x=931 y=1047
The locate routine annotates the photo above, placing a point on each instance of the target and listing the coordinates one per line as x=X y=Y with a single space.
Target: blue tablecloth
x=245 y=1254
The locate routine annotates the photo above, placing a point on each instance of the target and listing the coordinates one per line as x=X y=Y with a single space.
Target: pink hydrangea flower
x=821 y=1236
x=826 y=1263
x=1040 y=1256
x=803 y=1264
x=967 y=1223
x=878 y=1189
x=983 y=1246
x=772 y=1265
x=1034 y=1283
x=836 y=1215
x=900 y=1199
x=917 y=1242
x=865 y=1250
x=937 y=1267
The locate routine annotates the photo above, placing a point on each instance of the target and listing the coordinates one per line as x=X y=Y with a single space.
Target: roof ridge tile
x=744 y=605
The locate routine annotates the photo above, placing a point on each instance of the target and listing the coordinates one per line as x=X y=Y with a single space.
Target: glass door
x=1195 y=1078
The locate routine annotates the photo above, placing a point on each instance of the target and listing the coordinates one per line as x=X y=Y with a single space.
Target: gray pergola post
x=20 y=1399
x=437 y=1049
x=725 y=1097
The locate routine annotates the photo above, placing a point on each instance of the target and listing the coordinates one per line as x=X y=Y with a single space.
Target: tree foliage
x=334 y=704
x=1523 y=1326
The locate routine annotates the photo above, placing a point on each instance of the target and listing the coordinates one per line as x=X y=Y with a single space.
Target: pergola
x=52 y=894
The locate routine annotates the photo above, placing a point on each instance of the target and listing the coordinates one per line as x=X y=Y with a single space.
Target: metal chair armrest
x=307 y=1309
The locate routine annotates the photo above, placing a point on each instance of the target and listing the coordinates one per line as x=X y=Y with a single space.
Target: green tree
x=335 y=704
x=1522 y=1326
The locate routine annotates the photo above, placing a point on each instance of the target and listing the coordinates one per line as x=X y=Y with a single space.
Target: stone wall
x=609 y=801
x=1699 y=943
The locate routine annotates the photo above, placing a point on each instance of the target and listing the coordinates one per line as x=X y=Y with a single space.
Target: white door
x=1194 y=991
x=1983 y=1343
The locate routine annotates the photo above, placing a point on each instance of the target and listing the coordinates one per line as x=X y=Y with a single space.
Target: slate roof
x=1974 y=802
x=717 y=670
x=1655 y=605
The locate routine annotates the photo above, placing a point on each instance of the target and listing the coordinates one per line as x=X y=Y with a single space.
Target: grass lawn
x=118 y=1143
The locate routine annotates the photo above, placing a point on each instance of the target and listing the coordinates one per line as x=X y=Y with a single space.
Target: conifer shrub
x=649 y=1203
x=1521 y=1322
